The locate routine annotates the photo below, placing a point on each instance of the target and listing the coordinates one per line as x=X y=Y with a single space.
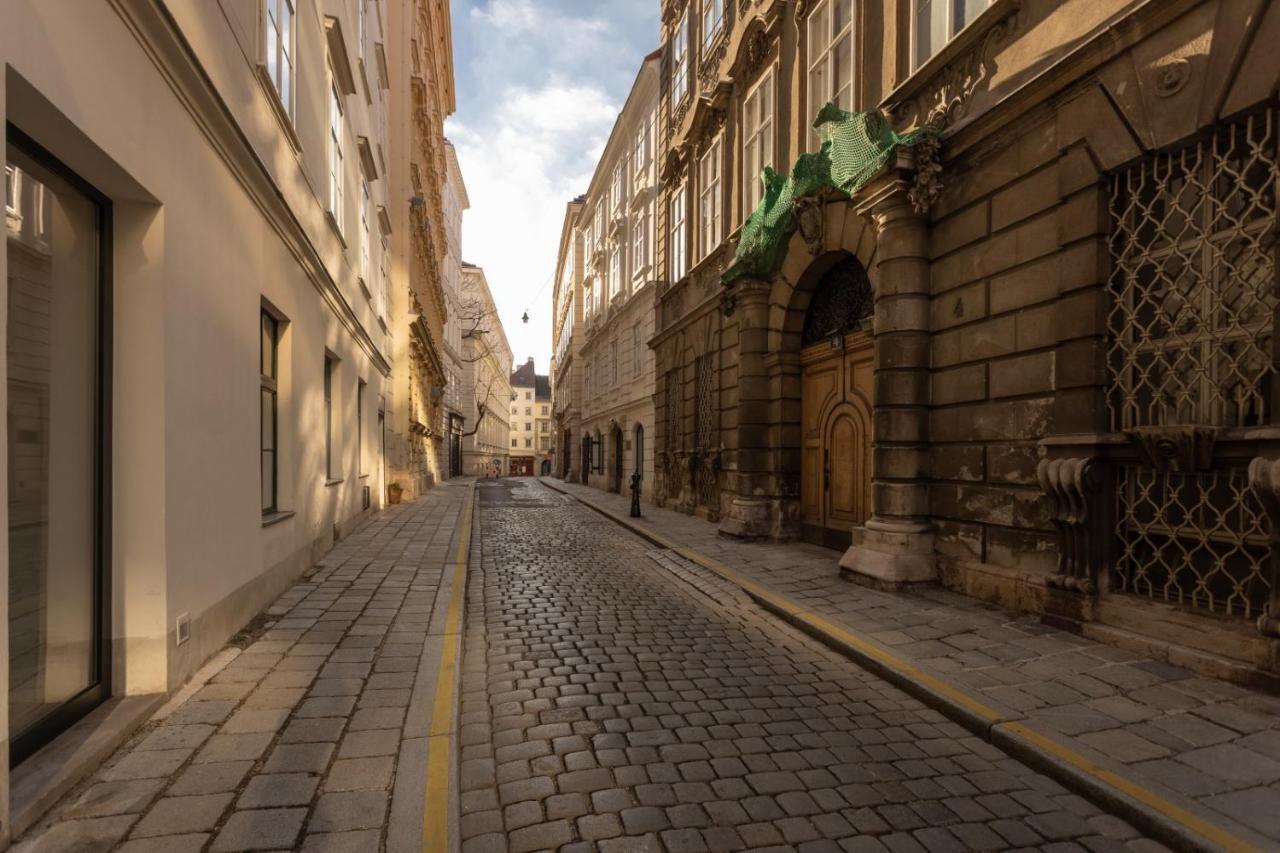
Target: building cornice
x=174 y=58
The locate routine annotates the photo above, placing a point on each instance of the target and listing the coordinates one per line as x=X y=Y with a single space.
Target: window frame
x=280 y=51
x=710 y=198
x=680 y=77
x=826 y=57
x=711 y=27
x=677 y=232
x=757 y=136
x=640 y=243
x=366 y=254
x=615 y=269
x=337 y=155
x=269 y=384
x=950 y=30
x=329 y=364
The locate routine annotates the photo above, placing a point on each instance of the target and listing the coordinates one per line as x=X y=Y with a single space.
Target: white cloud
x=537 y=152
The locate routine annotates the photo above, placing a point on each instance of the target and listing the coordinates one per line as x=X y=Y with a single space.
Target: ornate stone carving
x=1184 y=449
x=1264 y=481
x=711 y=125
x=810 y=222
x=709 y=71
x=946 y=96
x=754 y=52
x=927 y=185
x=1172 y=76
x=678 y=114
x=1074 y=485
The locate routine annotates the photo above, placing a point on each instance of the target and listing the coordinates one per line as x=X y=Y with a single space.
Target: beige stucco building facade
x=453 y=421
x=566 y=348
x=530 y=422
x=486 y=380
x=199 y=195
x=1024 y=365
x=618 y=285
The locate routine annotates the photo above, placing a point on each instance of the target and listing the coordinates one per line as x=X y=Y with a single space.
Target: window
x=936 y=22
x=360 y=386
x=618 y=192
x=329 y=467
x=337 y=167
x=602 y=214
x=545 y=426
x=545 y=410
x=615 y=270
x=641 y=158
x=613 y=357
x=528 y=442
x=588 y=306
x=636 y=352
x=757 y=145
x=588 y=240
x=279 y=50
x=528 y=427
x=384 y=274
x=515 y=442
x=712 y=20
x=528 y=411
x=680 y=60
x=360 y=27
x=830 y=57
x=677 y=245
x=364 y=232
x=528 y=395
x=11 y=189
x=269 y=368
x=515 y=410
x=640 y=244
x=709 y=200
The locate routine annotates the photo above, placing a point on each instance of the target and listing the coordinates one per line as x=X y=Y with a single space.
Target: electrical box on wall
x=182 y=631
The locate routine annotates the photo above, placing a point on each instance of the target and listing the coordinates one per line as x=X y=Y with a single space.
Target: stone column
x=751 y=470
x=896 y=544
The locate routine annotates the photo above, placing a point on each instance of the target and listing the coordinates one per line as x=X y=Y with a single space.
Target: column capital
x=886 y=199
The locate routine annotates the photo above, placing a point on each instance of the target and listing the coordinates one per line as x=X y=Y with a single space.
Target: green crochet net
x=855 y=146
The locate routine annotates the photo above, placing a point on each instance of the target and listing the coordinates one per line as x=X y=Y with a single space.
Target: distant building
x=486 y=379
x=452 y=418
x=530 y=422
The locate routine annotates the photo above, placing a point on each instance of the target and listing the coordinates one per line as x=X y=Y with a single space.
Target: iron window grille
x=1191 y=325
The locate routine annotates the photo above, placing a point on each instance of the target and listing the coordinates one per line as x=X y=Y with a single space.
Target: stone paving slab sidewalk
x=1204 y=746
x=297 y=742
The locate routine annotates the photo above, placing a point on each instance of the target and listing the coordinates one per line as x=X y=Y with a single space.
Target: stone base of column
x=892 y=553
x=747 y=518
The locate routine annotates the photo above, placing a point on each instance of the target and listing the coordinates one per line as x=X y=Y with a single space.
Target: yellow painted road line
x=1207 y=830
x=435 y=815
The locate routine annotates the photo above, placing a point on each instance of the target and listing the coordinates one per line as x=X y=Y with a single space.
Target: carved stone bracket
x=1264 y=480
x=1184 y=449
x=1074 y=485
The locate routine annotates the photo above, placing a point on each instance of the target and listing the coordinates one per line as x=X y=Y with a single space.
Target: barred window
x=1191 y=325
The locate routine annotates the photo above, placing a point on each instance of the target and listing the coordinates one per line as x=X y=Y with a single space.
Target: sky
x=540 y=84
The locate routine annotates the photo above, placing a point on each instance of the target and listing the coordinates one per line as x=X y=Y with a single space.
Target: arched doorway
x=836 y=398
x=616 y=485
x=544 y=469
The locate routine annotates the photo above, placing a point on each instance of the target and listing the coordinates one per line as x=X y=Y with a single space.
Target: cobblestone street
x=617 y=698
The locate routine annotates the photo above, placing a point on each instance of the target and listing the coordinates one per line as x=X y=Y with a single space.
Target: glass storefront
x=55 y=230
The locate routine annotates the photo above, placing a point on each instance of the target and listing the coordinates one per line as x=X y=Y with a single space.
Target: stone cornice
x=173 y=57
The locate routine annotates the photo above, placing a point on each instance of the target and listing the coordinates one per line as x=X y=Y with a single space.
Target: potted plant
x=394 y=492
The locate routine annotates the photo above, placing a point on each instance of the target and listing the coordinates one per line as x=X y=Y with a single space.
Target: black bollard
x=635 y=495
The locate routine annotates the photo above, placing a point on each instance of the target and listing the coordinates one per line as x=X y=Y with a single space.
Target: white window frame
x=710 y=198
x=947 y=21
x=337 y=155
x=758 y=130
x=12 y=190
x=712 y=20
x=602 y=219
x=678 y=239
x=618 y=191
x=279 y=52
x=823 y=39
x=640 y=243
x=640 y=161
x=366 y=251
x=615 y=269
x=587 y=292
x=680 y=60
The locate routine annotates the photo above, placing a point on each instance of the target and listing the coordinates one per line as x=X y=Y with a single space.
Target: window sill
x=328 y=483
x=277 y=107
x=274 y=518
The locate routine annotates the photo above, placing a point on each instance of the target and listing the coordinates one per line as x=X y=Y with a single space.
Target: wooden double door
x=836 y=399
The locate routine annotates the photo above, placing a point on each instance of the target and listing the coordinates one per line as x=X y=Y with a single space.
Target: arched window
x=842 y=302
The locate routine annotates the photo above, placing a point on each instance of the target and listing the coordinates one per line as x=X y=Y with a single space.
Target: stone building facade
x=421 y=92
x=530 y=422
x=452 y=420
x=1033 y=361
x=566 y=348
x=486 y=380
x=198 y=243
x=618 y=286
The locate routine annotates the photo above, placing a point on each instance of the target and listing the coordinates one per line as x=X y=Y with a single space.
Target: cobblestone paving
x=1213 y=742
x=294 y=744
x=609 y=705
